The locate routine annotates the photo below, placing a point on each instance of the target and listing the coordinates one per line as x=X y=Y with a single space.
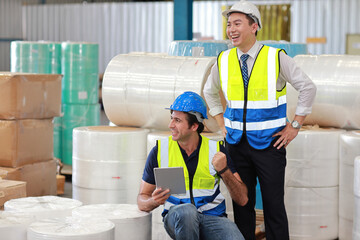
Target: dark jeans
x=269 y=166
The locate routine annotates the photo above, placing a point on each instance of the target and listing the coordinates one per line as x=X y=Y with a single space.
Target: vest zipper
x=191 y=191
x=245 y=107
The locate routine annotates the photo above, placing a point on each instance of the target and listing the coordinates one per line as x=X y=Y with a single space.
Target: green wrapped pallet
x=58 y=137
x=35 y=57
x=80 y=67
x=76 y=115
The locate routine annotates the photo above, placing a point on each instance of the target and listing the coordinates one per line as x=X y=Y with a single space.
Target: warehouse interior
x=84 y=87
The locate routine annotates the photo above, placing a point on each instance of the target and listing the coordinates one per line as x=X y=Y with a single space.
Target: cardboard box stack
x=29 y=102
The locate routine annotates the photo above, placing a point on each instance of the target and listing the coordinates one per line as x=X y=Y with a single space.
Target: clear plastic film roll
x=137 y=88
x=13 y=225
x=35 y=57
x=72 y=228
x=98 y=196
x=349 y=150
x=109 y=158
x=43 y=207
x=126 y=217
x=210 y=48
x=80 y=67
x=356 y=224
x=337 y=101
x=313 y=158
x=312 y=212
x=345 y=229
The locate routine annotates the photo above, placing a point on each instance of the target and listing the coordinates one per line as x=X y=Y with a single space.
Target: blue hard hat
x=190 y=102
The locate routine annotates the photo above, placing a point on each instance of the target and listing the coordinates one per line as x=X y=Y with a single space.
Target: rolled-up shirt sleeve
x=292 y=74
x=212 y=92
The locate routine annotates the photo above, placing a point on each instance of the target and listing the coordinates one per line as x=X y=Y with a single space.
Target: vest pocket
x=206 y=183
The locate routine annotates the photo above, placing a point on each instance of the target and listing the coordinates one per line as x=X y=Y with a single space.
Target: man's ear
x=194 y=127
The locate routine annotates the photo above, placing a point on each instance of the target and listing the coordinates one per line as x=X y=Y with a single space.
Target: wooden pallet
x=260 y=228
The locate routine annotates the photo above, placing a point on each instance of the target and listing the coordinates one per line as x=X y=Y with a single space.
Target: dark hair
x=193 y=120
x=251 y=21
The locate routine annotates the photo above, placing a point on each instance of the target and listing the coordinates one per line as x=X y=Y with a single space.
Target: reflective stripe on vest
x=265 y=106
x=205 y=186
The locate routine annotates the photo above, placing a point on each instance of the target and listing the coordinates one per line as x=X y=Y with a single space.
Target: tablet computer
x=170 y=178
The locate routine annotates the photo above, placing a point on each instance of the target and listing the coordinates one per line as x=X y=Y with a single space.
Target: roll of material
x=313 y=158
x=137 y=88
x=210 y=48
x=35 y=57
x=76 y=115
x=158 y=230
x=349 y=147
x=349 y=150
x=130 y=222
x=292 y=49
x=356 y=223
x=13 y=225
x=43 y=207
x=80 y=67
x=345 y=229
x=72 y=228
x=357 y=176
x=337 y=101
x=312 y=212
x=106 y=143
x=110 y=175
x=98 y=196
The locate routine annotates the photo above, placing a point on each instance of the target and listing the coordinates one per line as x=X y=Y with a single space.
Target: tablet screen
x=170 y=178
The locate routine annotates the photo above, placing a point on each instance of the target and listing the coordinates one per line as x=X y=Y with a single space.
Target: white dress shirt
x=289 y=72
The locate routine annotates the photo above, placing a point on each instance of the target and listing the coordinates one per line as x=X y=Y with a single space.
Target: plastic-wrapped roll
x=43 y=207
x=35 y=57
x=349 y=150
x=137 y=88
x=80 y=67
x=76 y=115
x=72 y=228
x=312 y=212
x=111 y=158
x=292 y=49
x=13 y=225
x=104 y=174
x=158 y=231
x=345 y=229
x=337 y=102
x=210 y=48
x=313 y=158
x=98 y=196
x=356 y=225
x=130 y=222
x=106 y=143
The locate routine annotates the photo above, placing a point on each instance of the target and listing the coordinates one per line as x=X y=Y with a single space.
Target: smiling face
x=179 y=126
x=240 y=31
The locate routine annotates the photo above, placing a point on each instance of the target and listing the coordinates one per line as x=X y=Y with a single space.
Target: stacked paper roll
x=108 y=163
x=349 y=150
x=137 y=88
x=71 y=228
x=126 y=217
x=338 y=90
x=312 y=212
x=313 y=158
x=43 y=207
x=356 y=228
x=13 y=225
x=312 y=182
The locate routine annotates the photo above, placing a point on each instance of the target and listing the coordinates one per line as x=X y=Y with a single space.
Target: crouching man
x=201 y=212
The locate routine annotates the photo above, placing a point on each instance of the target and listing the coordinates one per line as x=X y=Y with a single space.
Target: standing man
x=200 y=213
x=253 y=79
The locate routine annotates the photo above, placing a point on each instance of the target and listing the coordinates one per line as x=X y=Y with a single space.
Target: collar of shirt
x=252 y=52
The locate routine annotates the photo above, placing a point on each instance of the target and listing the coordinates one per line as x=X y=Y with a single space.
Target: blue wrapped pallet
x=292 y=49
x=198 y=48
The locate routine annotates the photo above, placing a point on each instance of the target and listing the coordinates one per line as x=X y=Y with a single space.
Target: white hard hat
x=247 y=8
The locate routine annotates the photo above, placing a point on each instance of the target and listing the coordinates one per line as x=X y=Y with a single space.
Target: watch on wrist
x=295 y=124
